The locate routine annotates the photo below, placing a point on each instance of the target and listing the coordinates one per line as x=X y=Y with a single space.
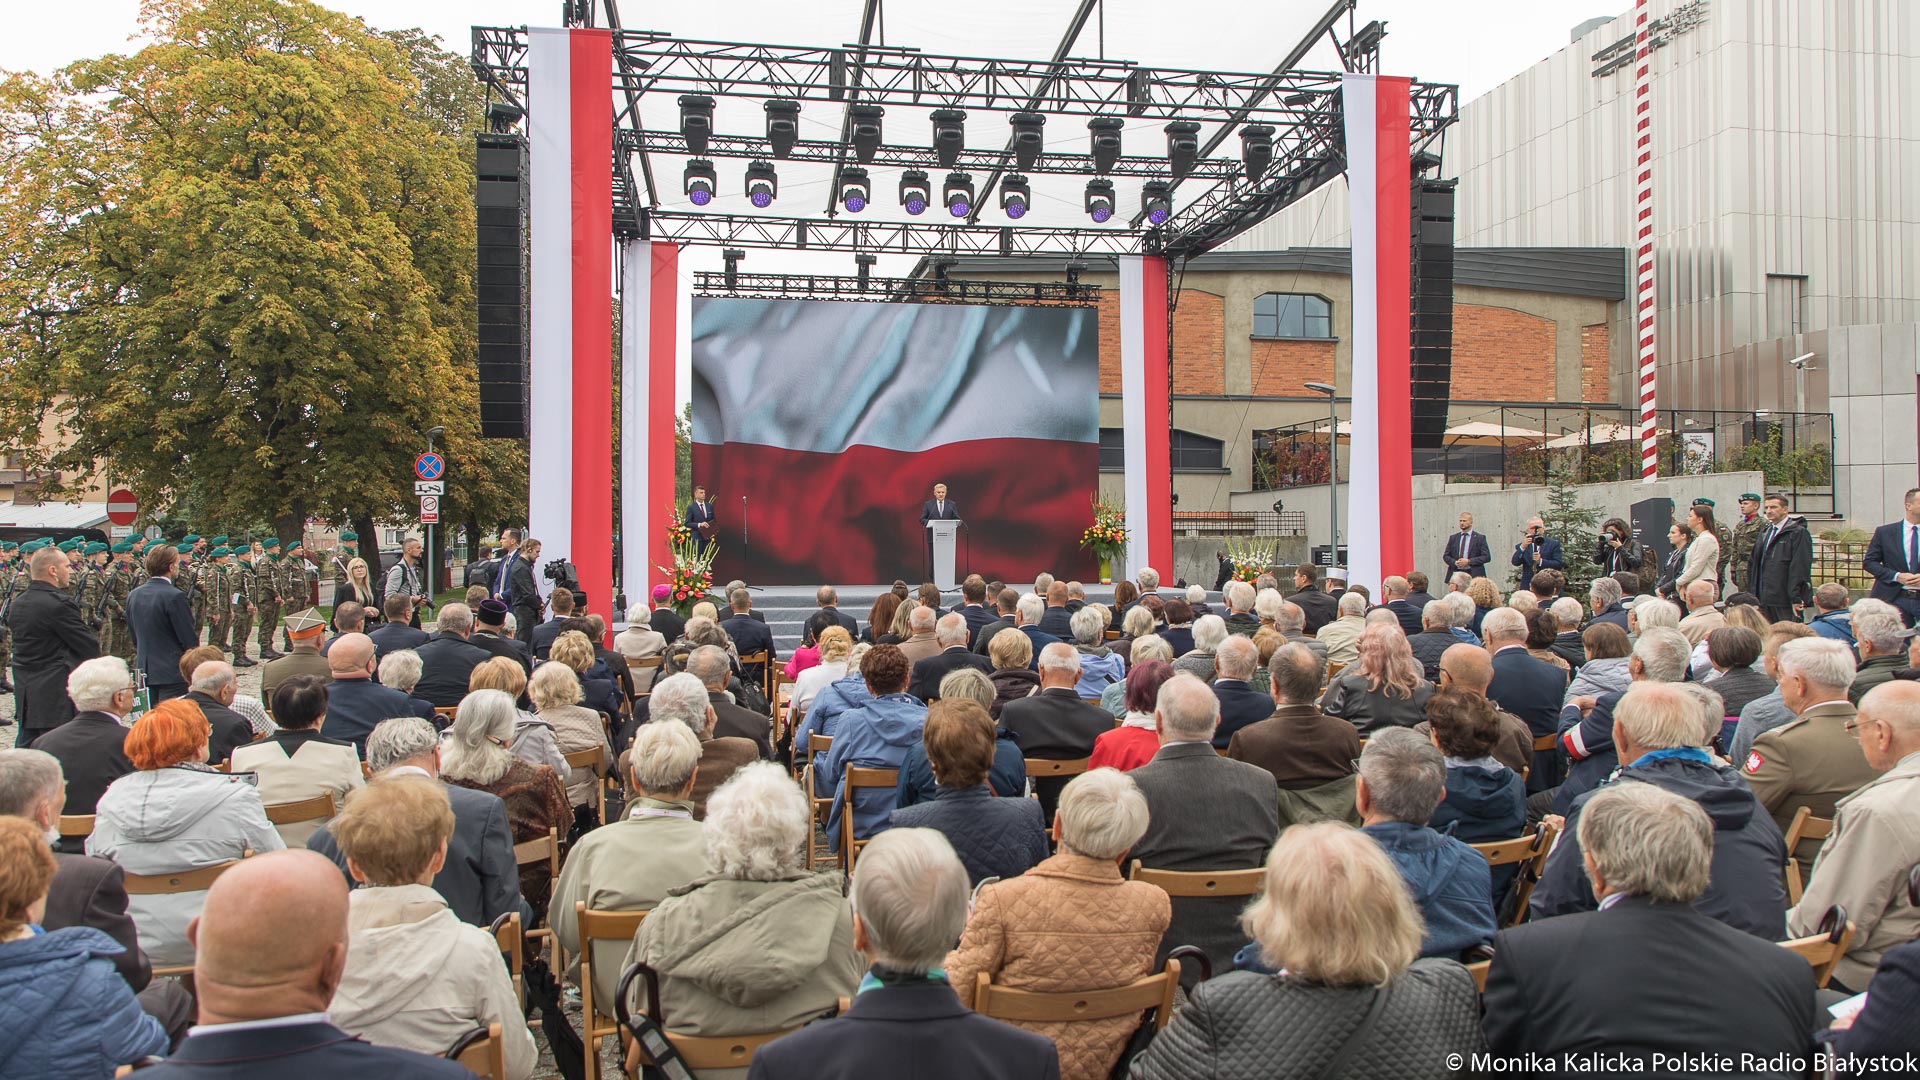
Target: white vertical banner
x=636 y=502
x=1133 y=412
x=550 y=307
x=1363 y=447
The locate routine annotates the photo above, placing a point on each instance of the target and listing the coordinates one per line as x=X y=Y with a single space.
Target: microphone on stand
x=743 y=528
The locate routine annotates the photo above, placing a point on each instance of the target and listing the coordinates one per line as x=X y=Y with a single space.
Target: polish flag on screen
x=833 y=422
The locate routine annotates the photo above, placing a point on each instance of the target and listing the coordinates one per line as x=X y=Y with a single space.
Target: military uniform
x=240 y=589
x=293 y=587
x=266 y=596
x=93 y=591
x=120 y=582
x=219 y=597
x=1813 y=762
x=13 y=580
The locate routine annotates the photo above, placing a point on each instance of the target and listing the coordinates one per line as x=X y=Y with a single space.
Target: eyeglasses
x=1855 y=726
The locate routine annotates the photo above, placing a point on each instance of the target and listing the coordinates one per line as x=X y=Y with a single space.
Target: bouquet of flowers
x=1250 y=556
x=677 y=531
x=1107 y=536
x=690 y=576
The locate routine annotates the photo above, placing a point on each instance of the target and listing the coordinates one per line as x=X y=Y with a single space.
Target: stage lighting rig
x=865 y=260
x=1183 y=146
x=1027 y=140
x=865 y=131
x=1104 y=134
x=783 y=125
x=1015 y=196
x=949 y=136
x=1156 y=202
x=701 y=185
x=916 y=191
x=958 y=194
x=732 y=257
x=856 y=190
x=696 y=122
x=1256 y=148
x=1100 y=200
x=763 y=186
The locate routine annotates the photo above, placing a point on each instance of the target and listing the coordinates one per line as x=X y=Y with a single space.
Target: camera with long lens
x=562 y=574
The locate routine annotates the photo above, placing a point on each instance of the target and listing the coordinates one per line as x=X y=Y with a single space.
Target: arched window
x=1292 y=315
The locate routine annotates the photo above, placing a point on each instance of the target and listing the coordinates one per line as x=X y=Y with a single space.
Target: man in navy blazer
x=909 y=900
x=161 y=621
x=1528 y=688
x=1537 y=552
x=355 y=702
x=1241 y=703
x=1893 y=558
x=749 y=634
x=699 y=520
x=263 y=991
x=1466 y=551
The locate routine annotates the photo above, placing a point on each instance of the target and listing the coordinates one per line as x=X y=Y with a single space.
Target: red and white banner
x=570 y=388
x=649 y=343
x=1379 y=191
x=1144 y=408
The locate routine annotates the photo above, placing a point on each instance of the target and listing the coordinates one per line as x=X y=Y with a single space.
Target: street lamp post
x=1333 y=468
x=433 y=566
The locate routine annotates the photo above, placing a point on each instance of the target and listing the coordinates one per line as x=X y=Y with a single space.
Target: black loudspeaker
x=500 y=283
x=1431 y=362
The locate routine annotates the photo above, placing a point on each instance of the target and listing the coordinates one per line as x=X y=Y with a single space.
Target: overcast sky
x=1476 y=44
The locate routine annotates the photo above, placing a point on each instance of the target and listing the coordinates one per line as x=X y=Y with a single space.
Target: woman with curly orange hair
x=1384 y=688
x=173 y=815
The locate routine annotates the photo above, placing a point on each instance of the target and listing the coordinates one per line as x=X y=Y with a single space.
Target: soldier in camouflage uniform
x=266 y=596
x=294 y=590
x=241 y=583
x=76 y=566
x=12 y=581
x=213 y=580
x=186 y=578
x=1746 y=533
x=93 y=588
x=120 y=578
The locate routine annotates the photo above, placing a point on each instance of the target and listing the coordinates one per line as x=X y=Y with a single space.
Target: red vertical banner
x=1143 y=398
x=1393 y=237
x=662 y=344
x=591 y=131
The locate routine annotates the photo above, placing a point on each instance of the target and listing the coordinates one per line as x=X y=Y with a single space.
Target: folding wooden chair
x=76 y=825
x=595 y=758
x=1149 y=992
x=1478 y=969
x=696 y=1052
x=1530 y=854
x=443 y=716
x=859 y=777
x=817 y=849
x=1824 y=949
x=634 y=667
x=1333 y=672
x=764 y=658
x=1804 y=826
x=599 y=926
x=542 y=849
x=507 y=934
x=1191 y=883
x=319 y=808
x=186 y=881
x=481 y=1051
x=1044 y=769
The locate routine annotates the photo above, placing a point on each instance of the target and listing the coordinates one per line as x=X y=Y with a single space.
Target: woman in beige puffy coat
x=1073 y=922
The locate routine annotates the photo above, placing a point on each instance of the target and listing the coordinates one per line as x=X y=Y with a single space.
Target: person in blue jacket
x=1537 y=552
x=876 y=735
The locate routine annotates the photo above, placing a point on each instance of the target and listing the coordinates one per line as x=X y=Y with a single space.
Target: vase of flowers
x=691 y=575
x=1250 y=557
x=1106 y=537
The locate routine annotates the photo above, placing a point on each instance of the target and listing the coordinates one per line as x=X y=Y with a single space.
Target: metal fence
x=1840 y=560
x=1224 y=523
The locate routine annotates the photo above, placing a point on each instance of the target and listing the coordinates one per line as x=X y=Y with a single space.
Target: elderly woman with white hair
x=758 y=942
x=1100 y=667
x=1148 y=646
x=1336 y=921
x=555 y=691
x=1208 y=632
x=1132 y=628
x=1073 y=923
x=640 y=641
x=400 y=670
x=477 y=754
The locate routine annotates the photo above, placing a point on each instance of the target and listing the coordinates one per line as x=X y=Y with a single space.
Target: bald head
x=246 y=965
x=1889 y=723
x=350 y=656
x=1700 y=594
x=1468 y=666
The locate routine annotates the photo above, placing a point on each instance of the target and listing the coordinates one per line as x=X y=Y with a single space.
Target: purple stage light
x=1017 y=211
x=1157 y=215
x=1101 y=214
x=916 y=206
x=959 y=208
x=855 y=204
x=701 y=196
x=762 y=199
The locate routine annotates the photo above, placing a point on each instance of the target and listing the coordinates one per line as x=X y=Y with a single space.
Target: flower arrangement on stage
x=1250 y=556
x=1107 y=536
x=690 y=576
x=677 y=531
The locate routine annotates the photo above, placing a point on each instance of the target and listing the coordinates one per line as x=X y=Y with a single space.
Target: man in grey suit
x=1205 y=812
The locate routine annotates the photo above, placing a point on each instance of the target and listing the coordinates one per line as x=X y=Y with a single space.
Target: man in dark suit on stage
x=1893 y=558
x=1780 y=571
x=1467 y=551
x=699 y=520
x=938 y=508
x=161 y=621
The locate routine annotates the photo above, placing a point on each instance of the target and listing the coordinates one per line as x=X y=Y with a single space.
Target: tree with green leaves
x=239 y=269
x=1575 y=526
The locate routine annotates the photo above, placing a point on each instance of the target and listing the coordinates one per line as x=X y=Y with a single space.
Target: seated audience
x=876 y=735
x=1132 y=628
x=396 y=630
x=1241 y=703
x=1208 y=632
x=1008 y=774
x=1587 y=724
x=823 y=716
x=212 y=686
x=1384 y=689
x=1433 y=640
x=297 y=762
x=1654 y=973
x=556 y=694
x=1468 y=669
x=1881 y=642
x=1146 y=647
x=909 y=900
x=1336 y=921
x=1863 y=864
x=1073 y=923
x=1134 y=742
x=1658 y=732
x=400 y=670
x=1100 y=667
x=1733 y=651
x=633 y=863
x=447 y=659
x=67 y=1011
x=834 y=649
x=1603 y=602
x=1205 y=812
x=709 y=665
x=475 y=755
x=1341 y=637
x=1460 y=617
x=1833 y=620
x=919 y=643
x=1486 y=597
x=1402 y=780
x=1768 y=711
x=1818 y=759
x=355 y=702
x=951 y=634
x=175 y=814
x=1883 y=1028
x=994 y=837
x=264 y=993
x=416 y=977
x=1567 y=613
x=1485 y=801
x=1319 y=606
x=1309 y=753
x=1006 y=612
x=1543 y=632
x=560 y=604
x=808 y=652
x=91 y=747
x=599 y=689
x=1178 y=628
x=533 y=740
x=683 y=698
x=1054 y=724
x=1605 y=671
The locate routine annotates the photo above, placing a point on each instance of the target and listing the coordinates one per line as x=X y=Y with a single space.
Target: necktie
x=1913 y=547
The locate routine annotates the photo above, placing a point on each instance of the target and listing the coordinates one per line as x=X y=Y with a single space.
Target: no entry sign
x=122 y=506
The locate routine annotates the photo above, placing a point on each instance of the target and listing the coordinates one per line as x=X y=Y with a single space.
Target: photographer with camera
x=1536 y=552
x=1618 y=552
x=408 y=578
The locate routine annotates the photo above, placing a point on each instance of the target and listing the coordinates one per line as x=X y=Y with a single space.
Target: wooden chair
x=444 y=714
x=542 y=849
x=482 y=1051
x=223 y=766
x=817 y=850
x=859 y=777
x=599 y=926
x=1043 y=769
x=634 y=667
x=1333 y=672
x=1190 y=883
x=595 y=758
x=507 y=935
x=184 y=882
x=1824 y=949
x=1530 y=854
x=76 y=825
x=1804 y=826
x=319 y=808
x=1113 y=635
x=1150 y=992
x=1478 y=969
x=697 y=1052
x=765 y=659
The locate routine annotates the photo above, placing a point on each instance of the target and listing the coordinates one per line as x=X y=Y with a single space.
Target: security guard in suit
x=1813 y=761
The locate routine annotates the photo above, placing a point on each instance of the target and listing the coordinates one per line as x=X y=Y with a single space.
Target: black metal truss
x=847 y=233
x=890 y=156
x=921 y=290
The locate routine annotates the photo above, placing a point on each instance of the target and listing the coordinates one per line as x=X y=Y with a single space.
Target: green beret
x=220 y=552
x=217 y=541
x=269 y=544
x=94 y=548
x=1703 y=502
x=69 y=544
x=349 y=536
x=1749 y=497
x=8 y=545
x=122 y=547
x=190 y=538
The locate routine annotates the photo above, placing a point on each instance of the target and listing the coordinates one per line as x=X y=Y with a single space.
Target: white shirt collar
x=295 y=1020
x=1612 y=899
x=410 y=770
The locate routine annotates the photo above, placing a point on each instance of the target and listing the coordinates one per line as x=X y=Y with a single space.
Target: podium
x=943 y=534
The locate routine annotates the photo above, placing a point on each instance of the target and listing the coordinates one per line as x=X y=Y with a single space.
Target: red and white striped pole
x=1644 y=308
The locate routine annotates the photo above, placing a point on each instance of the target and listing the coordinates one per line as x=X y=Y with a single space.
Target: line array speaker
x=1431 y=363
x=500 y=283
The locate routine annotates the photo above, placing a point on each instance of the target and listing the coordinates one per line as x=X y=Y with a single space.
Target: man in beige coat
x=1876 y=838
x=1702 y=617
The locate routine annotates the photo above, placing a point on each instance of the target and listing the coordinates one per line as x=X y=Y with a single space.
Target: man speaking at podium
x=938 y=508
